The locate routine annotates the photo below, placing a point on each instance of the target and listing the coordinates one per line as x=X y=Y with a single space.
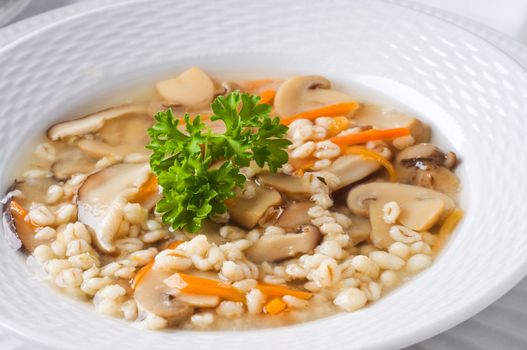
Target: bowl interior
x=470 y=93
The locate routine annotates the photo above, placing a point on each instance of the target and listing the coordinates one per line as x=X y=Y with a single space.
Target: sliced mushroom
x=119 y=137
x=211 y=230
x=359 y=230
x=94 y=122
x=383 y=118
x=426 y=165
x=18 y=232
x=421 y=215
x=154 y=296
x=227 y=87
x=279 y=247
x=193 y=87
x=290 y=185
x=302 y=93
x=198 y=300
x=71 y=160
x=369 y=200
x=295 y=215
x=248 y=211
x=102 y=195
x=352 y=168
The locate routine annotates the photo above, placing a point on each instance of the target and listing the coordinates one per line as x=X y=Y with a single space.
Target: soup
x=215 y=214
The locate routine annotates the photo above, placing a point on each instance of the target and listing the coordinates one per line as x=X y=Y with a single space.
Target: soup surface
x=234 y=205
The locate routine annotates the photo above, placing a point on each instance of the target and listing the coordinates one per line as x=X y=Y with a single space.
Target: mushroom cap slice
x=154 y=296
x=248 y=211
x=421 y=215
x=352 y=168
x=290 y=185
x=360 y=197
x=198 y=300
x=102 y=195
x=93 y=122
x=369 y=200
x=421 y=152
x=295 y=215
x=434 y=177
x=279 y=247
x=302 y=93
x=119 y=137
x=71 y=160
x=18 y=232
x=426 y=165
x=193 y=87
x=380 y=230
x=383 y=118
x=359 y=230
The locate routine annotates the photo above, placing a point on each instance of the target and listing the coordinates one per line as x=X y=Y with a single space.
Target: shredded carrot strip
x=140 y=275
x=370 y=135
x=203 y=286
x=147 y=189
x=446 y=229
x=174 y=245
x=280 y=291
x=339 y=109
x=20 y=214
x=17 y=210
x=369 y=154
x=267 y=96
x=275 y=306
x=252 y=85
x=337 y=125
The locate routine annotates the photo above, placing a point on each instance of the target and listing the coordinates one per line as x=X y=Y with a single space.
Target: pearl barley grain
x=418 y=263
x=351 y=299
x=387 y=261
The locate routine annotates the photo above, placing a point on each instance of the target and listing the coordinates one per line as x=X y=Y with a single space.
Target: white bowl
x=464 y=87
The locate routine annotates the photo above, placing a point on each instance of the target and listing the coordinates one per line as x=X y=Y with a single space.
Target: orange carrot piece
x=446 y=229
x=147 y=189
x=267 y=96
x=338 y=124
x=369 y=154
x=339 y=109
x=174 y=245
x=20 y=214
x=17 y=210
x=275 y=306
x=370 y=135
x=252 y=85
x=203 y=286
x=280 y=291
x=140 y=275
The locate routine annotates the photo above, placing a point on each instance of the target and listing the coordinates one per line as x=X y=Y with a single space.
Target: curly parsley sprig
x=199 y=170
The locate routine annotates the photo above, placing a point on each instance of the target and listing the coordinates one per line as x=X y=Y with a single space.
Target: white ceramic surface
x=10 y=8
x=448 y=76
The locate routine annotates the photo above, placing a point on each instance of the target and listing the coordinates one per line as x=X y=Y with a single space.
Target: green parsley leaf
x=199 y=170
